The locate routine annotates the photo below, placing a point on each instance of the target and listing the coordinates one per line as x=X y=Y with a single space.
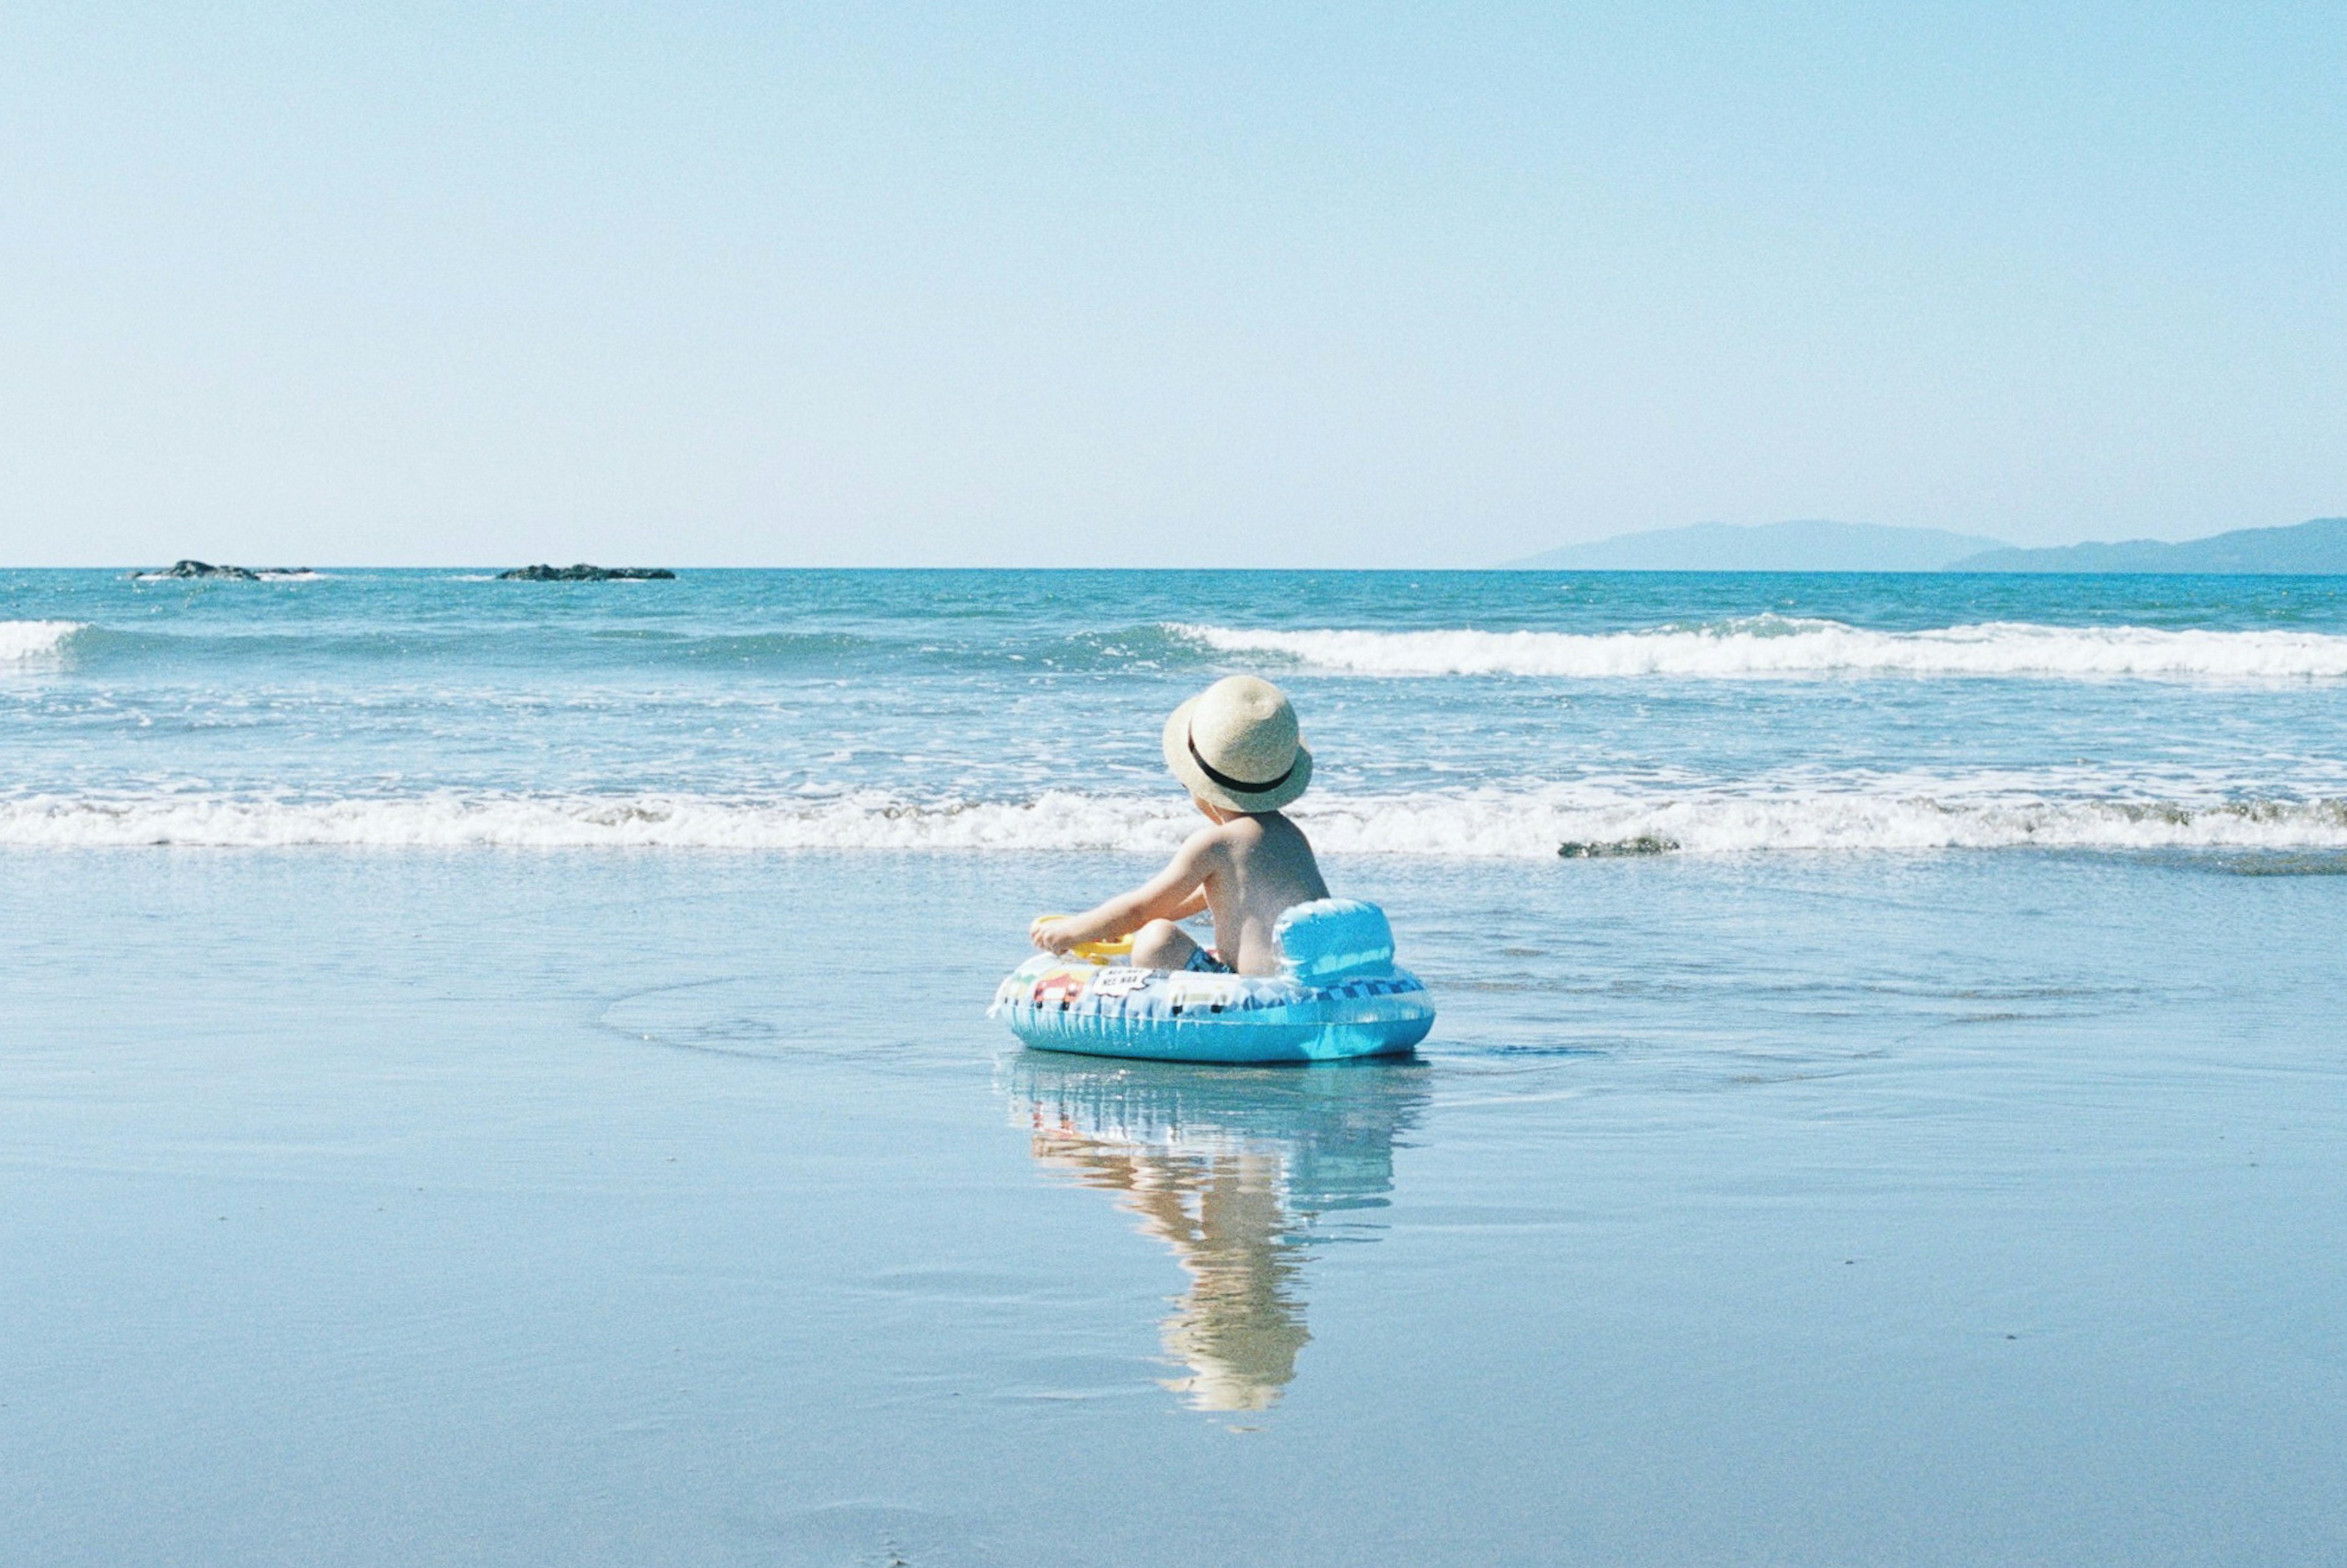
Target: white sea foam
x=1482 y=825
x=34 y=639
x=1776 y=645
x=458 y=821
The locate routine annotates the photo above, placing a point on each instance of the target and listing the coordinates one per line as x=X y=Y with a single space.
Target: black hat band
x=1236 y=786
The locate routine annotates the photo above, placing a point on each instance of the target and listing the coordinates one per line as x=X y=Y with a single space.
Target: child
x=1236 y=746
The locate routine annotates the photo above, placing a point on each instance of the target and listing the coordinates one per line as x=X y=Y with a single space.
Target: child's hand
x=1053 y=936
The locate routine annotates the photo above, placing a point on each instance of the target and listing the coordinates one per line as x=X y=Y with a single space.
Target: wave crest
x=1777 y=645
x=21 y=640
x=1493 y=824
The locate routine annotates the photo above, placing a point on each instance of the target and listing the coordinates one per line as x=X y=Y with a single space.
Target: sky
x=1155 y=284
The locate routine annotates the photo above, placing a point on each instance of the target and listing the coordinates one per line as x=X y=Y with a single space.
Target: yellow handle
x=1098 y=952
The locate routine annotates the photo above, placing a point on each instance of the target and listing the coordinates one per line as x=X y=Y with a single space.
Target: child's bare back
x=1237 y=749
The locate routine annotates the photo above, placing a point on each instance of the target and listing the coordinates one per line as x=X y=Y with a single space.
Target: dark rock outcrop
x=206 y=569
x=1610 y=849
x=582 y=572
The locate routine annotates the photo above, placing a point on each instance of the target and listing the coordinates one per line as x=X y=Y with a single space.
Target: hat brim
x=1185 y=768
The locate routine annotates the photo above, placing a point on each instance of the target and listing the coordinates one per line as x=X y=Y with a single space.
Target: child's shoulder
x=1237 y=836
x=1275 y=825
x=1244 y=834
x=1214 y=834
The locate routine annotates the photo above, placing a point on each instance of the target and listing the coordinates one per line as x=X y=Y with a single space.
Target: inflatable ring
x=1338 y=994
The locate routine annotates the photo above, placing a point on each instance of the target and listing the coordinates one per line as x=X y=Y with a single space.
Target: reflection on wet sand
x=1239 y=1171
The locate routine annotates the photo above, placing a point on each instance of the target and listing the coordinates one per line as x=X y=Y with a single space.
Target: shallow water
x=681 y=1206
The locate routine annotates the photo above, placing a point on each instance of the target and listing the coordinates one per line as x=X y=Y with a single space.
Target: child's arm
x=1174 y=893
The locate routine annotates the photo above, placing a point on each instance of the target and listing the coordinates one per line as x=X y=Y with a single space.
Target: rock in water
x=206 y=569
x=582 y=572
x=1608 y=849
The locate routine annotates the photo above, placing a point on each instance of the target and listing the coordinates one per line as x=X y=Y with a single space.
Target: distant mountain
x=1806 y=545
x=2314 y=548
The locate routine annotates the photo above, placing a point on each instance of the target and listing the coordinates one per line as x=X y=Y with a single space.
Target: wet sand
x=603 y=1207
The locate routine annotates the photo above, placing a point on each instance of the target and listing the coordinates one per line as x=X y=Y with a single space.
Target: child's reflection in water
x=1240 y=1324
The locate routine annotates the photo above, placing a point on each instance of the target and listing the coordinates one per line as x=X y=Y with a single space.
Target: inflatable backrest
x=1329 y=939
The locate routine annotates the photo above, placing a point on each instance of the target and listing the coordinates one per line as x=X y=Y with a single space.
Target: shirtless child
x=1236 y=746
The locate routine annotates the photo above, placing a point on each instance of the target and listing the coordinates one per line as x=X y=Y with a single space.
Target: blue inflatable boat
x=1338 y=994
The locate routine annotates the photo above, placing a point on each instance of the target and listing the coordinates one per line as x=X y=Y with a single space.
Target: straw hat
x=1235 y=745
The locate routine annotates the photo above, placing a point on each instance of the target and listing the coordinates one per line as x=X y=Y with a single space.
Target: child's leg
x=1162 y=945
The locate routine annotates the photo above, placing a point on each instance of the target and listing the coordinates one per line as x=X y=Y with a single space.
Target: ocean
x=497 y=1073
x=1485 y=714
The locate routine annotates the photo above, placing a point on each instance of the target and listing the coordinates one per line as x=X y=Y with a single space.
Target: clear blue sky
x=1312 y=285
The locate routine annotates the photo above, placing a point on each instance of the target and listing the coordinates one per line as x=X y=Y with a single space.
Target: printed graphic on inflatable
x=1122 y=981
x=1060 y=988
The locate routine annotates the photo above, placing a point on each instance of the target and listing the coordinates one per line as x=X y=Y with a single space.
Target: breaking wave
x=1490 y=825
x=1778 y=645
x=35 y=638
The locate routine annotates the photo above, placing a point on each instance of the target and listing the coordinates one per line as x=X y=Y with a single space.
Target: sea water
x=497 y=1072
